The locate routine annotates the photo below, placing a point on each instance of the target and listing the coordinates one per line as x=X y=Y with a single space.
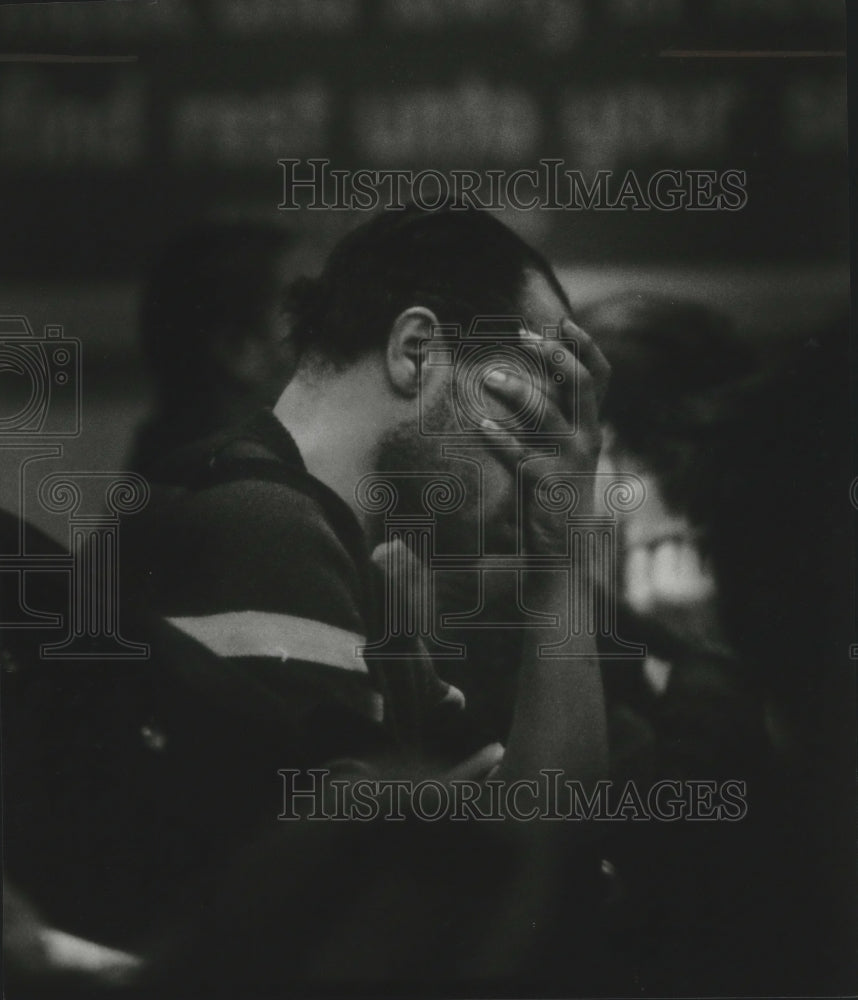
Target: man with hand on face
x=257 y=548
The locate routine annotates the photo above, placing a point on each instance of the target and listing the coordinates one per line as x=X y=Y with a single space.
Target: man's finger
x=503 y=444
x=479 y=766
x=590 y=356
x=395 y=558
x=517 y=394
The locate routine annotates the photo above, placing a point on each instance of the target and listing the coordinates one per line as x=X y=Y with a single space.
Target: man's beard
x=413 y=455
x=415 y=451
x=406 y=454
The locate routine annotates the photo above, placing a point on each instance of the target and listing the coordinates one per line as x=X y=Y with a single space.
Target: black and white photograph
x=428 y=499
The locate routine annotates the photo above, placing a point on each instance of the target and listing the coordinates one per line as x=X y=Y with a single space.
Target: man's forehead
x=540 y=303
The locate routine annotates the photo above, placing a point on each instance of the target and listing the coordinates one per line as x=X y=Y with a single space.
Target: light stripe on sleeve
x=266 y=633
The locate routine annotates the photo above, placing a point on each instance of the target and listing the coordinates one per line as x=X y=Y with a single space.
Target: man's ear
x=404 y=354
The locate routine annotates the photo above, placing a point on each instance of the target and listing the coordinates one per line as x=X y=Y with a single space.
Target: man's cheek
x=500 y=507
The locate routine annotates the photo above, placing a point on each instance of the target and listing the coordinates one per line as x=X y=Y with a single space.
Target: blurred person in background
x=766 y=905
x=664 y=354
x=213 y=331
x=771 y=502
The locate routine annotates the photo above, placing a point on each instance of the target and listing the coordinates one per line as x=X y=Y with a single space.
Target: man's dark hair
x=215 y=277
x=459 y=262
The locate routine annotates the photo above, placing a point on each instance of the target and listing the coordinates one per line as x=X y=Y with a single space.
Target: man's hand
x=570 y=418
x=559 y=718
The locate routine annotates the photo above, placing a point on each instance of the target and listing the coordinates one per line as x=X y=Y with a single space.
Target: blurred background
x=121 y=121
